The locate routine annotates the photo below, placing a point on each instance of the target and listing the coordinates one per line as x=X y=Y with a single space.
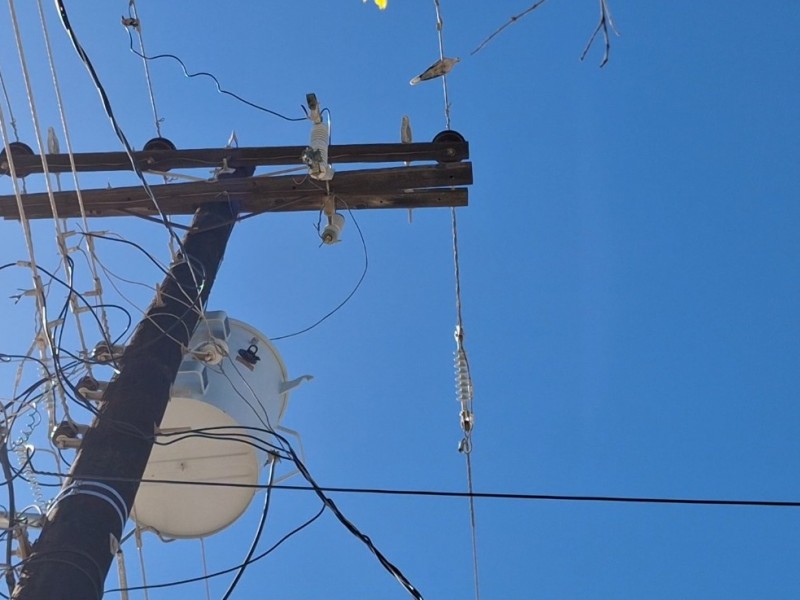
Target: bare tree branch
x=603 y=24
x=511 y=21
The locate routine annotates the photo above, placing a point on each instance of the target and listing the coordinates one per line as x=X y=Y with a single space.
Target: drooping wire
x=259 y=530
x=213 y=78
x=206 y=577
x=303 y=470
x=12 y=511
x=349 y=296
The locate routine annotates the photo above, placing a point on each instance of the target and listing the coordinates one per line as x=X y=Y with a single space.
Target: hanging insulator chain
x=464 y=391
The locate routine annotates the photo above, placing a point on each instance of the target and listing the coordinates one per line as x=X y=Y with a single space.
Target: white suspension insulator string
x=67 y=138
x=464 y=389
x=134 y=11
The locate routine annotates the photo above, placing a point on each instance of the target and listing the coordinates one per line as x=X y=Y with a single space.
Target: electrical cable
x=349 y=525
x=293 y=532
x=477 y=495
x=60 y=243
x=259 y=530
x=348 y=297
x=464 y=387
x=213 y=78
x=12 y=511
x=70 y=153
x=133 y=13
x=62 y=11
x=12 y=121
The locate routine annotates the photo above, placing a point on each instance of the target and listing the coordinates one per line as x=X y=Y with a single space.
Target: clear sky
x=630 y=282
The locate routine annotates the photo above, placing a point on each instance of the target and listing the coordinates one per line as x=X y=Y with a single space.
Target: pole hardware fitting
x=448 y=136
x=67 y=435
x=18 y=149
x=332 y=231
x=89 y=383
x=104 y=353
x=249 y=355
x=156 y=144
x=91 y=389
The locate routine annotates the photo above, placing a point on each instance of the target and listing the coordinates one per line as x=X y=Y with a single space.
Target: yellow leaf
x=381 y=4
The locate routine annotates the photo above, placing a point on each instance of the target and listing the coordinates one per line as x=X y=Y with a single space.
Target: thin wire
x=205 y=568
x=60 y=237
x=232 y=569
x=478 y=495
x=13 y=121
x=140 y=551
x=214 y=79
x=466 y=410
x=41 y=308
x=259 y=531
x=349 y=296
x=62 y=12
x=440 y=36
x=133 y=11
x=68 y=139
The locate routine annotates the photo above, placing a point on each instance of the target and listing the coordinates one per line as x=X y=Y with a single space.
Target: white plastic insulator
x=463 y=379
x=333 y=230
x=319 y=142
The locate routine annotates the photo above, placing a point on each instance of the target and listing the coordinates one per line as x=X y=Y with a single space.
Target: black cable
x=349 y=525
x=485 y=495
x=212 y=77
x=294 y=531
x=385 y=562
x=122 y=240
x=348 y=297
x=226 y=435
x=12 y=511
x=96 y=582
x=62 y=12
x=259 y=530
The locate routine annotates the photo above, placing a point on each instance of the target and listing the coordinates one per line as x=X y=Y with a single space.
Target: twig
x=603 y=24
x=511 y=21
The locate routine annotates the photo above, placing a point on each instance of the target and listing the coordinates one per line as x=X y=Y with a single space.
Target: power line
x=476 y=495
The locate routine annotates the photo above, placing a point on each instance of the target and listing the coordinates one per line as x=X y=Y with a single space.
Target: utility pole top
x=81 y=531
x=437 y=179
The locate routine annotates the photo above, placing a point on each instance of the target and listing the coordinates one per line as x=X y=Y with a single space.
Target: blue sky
x=629 y=265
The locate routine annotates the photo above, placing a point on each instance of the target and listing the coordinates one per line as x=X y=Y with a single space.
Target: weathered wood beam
x=164 y=160
x=398 y=187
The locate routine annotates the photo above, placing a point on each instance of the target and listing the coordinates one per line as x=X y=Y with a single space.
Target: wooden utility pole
x=74 y=551
x=72 y=556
